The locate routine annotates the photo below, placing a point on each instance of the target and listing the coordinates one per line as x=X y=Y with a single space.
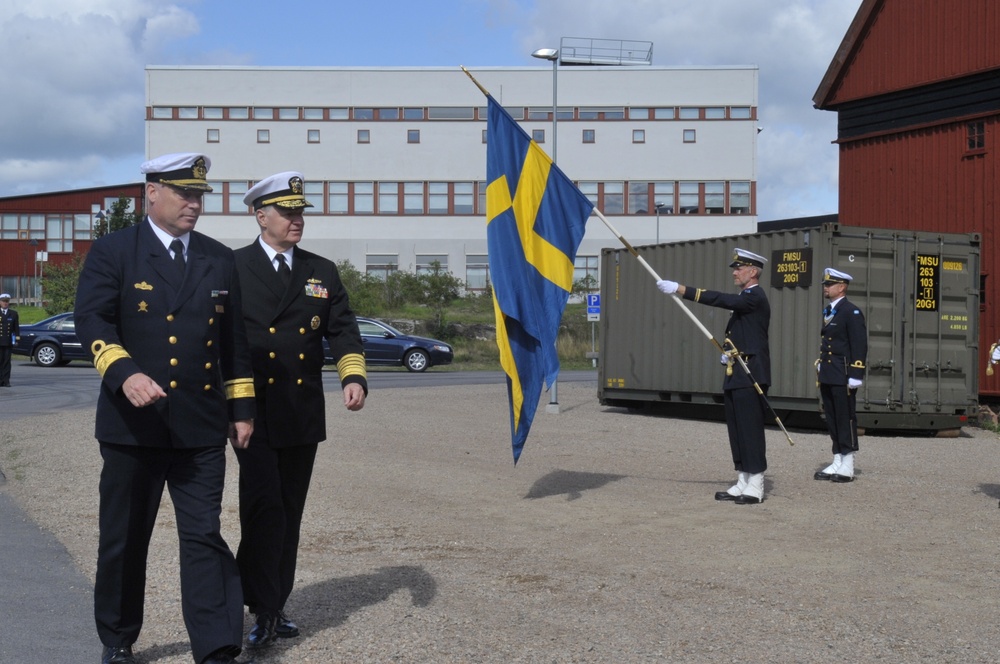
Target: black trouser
x=745 y=420
x=273 y=488
x=132 y=481
x=841 y=417
x=5 y=353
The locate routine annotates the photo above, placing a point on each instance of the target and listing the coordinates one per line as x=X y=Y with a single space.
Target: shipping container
x=919 y=293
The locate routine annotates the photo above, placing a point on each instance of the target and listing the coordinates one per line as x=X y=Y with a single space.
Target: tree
x=60 y=281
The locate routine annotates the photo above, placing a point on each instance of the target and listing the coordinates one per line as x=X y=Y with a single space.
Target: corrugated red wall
x=916 y=42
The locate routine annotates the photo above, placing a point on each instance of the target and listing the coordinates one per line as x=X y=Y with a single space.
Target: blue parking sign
x=593 y=307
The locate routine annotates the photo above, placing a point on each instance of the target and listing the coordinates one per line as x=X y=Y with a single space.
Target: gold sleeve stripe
x=106 y=355
x=858 y=364
x=697 y=294
x=239 y=388
x=352 y=364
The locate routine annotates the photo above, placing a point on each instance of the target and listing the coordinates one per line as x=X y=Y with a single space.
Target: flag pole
x=733 y=352
x=469 y=74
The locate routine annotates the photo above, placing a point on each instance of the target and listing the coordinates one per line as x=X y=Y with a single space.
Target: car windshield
x=373 y=329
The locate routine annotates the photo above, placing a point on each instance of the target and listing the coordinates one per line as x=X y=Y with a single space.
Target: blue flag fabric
x=536 y=218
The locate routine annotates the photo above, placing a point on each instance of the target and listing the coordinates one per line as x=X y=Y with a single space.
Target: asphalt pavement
x=46 y=605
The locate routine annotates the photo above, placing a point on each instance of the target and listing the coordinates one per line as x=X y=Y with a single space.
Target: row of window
x=469 y=198
x=477 y=268
x=51 y=232
x=364 y=136
x=568 y=113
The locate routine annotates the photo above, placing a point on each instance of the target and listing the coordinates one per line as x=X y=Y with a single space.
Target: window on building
x=515 y=112
x=288 y=114
x=689 y=135
x=337 y=197
x=388 y=113
x=484 y=137
x=538 y=135
x=413 y=114
x=663 y=113
x=364 y=198
x=59 y=233
x=638 y=198
x=477 y=272
x=413 y=198
x=237 y=191
x=591 y=190
x=687 y=198
x=212 y=113
x=539 y=113
x=312 y=113
x=585 y=273
x=339 y=113
x=638 y=135
x=451 y=113
x=638 y=114
x=263 y=113
x=388 y=198
x=739 y=112
x=715 y=197
x=663 y=197
x=364 y=136
x=432 y=263
x=263 y=135
x=239 y=113
x=437 y=198
x=211 y=202
x=364 y=113
x=187 y=113
x=614 y=198
x=976 y=132
x=381 y=266
x=739 y=198
x=715 y=113
x=212 y=135
x=82 y=227
x=463 y=198
x=163 y=113
x=412 y=135
x=690 y=113
x=589 y=135
x=481 y=187
x=313 y=191
x=312 y=135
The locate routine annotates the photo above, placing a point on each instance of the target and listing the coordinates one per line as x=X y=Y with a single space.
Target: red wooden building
x=60 y=224
x=916 y=89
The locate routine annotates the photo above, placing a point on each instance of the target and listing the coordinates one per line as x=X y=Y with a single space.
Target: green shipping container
x=919 y=292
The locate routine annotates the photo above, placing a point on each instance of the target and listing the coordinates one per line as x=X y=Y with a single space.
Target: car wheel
x=416 y=360
x=47 y=355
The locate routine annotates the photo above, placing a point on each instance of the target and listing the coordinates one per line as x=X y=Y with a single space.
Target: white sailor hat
x=184 y=170
x=831 y=276
x=4 y=296
x=744 y=257
x=281 y=189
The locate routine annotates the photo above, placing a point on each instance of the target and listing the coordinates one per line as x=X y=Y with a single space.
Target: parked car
x=385 y=346
x=51 y=342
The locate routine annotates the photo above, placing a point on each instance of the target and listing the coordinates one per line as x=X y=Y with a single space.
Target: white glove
x=853 y=383
x=668 y=287
x=995 y=357
x=724 y=359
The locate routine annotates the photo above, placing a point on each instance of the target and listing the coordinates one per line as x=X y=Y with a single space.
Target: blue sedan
x=51 y=342
x=385 y=346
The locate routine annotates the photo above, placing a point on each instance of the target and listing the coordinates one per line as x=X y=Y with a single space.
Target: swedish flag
x=536 y=218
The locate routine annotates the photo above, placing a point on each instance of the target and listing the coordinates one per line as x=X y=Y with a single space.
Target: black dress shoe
x=725 y=495
x=117 y=655
x=285 y=628
x=840 y=479
x=226 y=655
x=746 y=500
x=820 y=475
x=262 y=634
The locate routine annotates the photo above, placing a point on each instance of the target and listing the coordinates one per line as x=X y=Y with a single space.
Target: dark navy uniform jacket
x=843 y=345
x=747 y=329
x=9 y=327
x=135 y=315
x=286 y=329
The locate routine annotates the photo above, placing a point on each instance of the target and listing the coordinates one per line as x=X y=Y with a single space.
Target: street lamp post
x=552 y=54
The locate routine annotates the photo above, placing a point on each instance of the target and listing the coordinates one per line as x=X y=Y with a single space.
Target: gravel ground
x=423 y=543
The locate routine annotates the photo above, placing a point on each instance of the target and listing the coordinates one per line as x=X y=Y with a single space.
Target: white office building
x=395 y=158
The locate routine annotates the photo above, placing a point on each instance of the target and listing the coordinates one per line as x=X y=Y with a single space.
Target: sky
x=74 y=87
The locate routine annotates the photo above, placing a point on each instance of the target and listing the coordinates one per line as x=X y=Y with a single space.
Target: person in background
x=292 y=299
x=747 y=329
x=158 y=305
x=10 y=330
x=841 y=370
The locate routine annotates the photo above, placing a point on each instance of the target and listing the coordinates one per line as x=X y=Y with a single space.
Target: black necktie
x=827 y=310
x=178 y=248
x=284 y=272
